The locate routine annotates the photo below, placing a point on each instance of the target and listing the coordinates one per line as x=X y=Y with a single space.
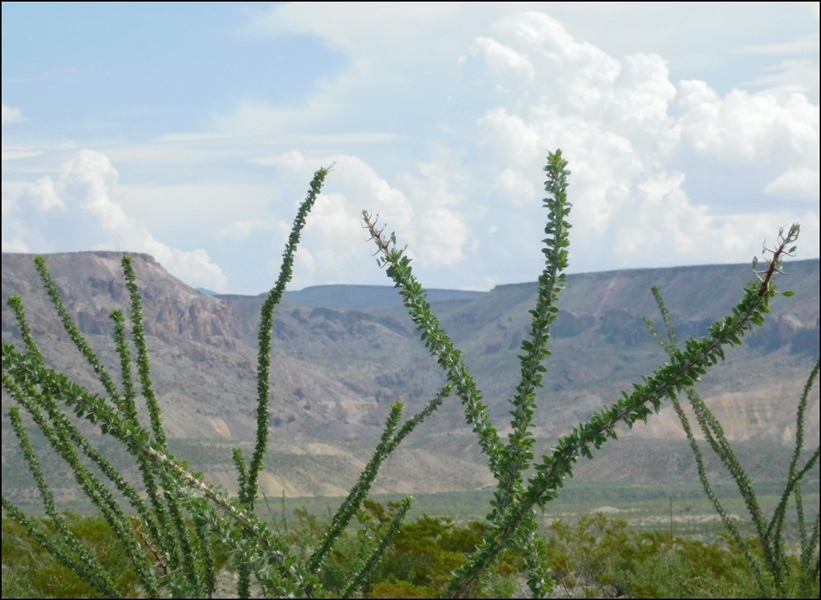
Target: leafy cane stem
x=391 y=438
x=250 y=476
x=437 y=341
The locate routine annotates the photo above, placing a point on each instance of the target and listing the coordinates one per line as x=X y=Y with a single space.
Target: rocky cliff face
x=201 y=349
x=336 y=370
x=92 y=286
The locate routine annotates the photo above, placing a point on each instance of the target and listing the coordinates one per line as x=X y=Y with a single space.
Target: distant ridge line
x=368 y=296
x=362 y=296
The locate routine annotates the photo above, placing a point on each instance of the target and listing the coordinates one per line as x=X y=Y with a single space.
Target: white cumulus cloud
x=11 y=114
x=748 y=127
x=619 y=122
x=83 y=193
x=686 y=144
x=502 y=58
x=424 y=208
x=796 y=183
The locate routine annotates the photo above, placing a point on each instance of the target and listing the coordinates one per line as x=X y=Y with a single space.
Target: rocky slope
x=336 y=369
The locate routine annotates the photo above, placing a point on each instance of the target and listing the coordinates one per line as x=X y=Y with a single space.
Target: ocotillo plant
x=170 y=540
x=776 y=575
x=515 y=500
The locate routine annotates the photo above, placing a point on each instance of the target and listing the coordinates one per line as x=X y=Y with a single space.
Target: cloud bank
x=79 y=207
x=446 y=144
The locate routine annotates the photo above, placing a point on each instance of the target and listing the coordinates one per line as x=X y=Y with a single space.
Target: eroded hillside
x=337 y=368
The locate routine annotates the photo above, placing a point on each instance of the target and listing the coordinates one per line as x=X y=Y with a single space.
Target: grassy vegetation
x=592 y=554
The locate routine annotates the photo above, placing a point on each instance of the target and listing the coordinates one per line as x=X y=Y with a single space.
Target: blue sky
x=191 y=131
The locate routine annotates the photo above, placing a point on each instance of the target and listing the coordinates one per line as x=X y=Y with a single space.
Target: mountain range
x=342 y=354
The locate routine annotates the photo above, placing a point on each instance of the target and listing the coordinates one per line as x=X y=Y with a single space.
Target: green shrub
x=426 y=552
x=33 y=572
x=399 y=589
x=598 y=557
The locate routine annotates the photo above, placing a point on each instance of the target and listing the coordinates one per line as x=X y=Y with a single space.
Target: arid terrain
x=343 y=354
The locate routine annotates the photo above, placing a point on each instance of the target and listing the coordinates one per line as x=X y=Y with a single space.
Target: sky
x=191 y=132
